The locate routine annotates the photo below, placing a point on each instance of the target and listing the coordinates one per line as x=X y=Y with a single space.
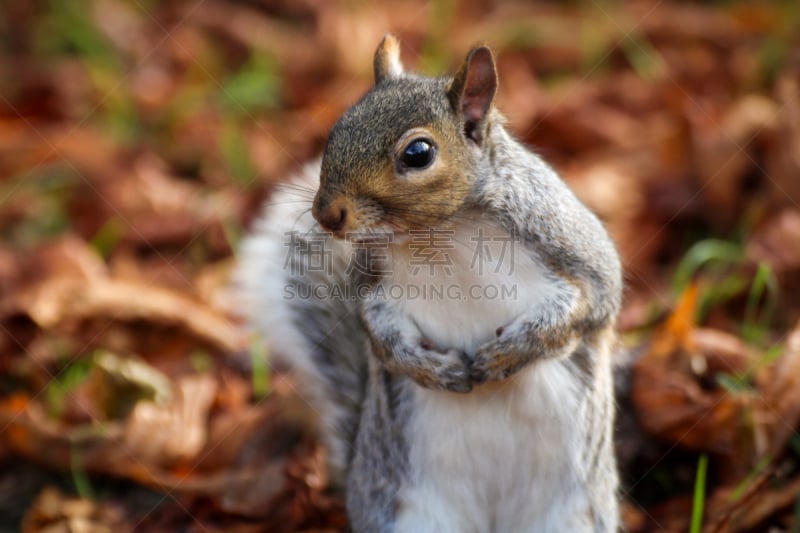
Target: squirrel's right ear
x=387 y=59
x=472 y=91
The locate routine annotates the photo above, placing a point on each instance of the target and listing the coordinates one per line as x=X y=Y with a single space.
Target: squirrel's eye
x=418 y=154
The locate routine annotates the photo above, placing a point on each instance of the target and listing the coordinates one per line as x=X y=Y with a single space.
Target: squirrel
x=450 y=308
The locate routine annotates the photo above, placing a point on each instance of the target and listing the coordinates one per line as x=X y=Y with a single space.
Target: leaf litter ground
x=138 y=139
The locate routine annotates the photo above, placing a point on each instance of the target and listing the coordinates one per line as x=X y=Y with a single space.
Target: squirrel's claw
x=446 y=370
x=495 y=361
x=431 y=368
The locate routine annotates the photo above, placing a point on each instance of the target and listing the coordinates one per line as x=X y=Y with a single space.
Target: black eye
x=418 y=154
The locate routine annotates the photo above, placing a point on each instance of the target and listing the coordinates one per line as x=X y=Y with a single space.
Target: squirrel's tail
x=291 y=282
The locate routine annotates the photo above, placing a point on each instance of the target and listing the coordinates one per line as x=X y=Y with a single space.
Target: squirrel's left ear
x=387 y=59
x=472 y=91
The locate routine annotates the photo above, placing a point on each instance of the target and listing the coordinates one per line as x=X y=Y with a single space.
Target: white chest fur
x=460 y=285
x=505 y=457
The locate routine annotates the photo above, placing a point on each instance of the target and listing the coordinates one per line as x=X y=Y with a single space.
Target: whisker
x=296 y=194
x=301 y=215
x=293 y=185
x=284 y=202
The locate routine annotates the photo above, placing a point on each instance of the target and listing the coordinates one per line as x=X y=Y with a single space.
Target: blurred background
x=139 y=137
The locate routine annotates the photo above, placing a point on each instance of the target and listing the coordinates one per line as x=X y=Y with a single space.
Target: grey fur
x=366 y=358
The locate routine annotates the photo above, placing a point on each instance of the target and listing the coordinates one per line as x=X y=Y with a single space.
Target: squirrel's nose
x=332 y=218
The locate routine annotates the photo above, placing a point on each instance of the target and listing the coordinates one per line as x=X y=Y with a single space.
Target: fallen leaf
x=69 y=299
x=723 y=153
x=775 y=243
x=169 y=432
x=54 y=512
x=751 y=512
x=783 y=154
x=778 y=407
x=673 y=388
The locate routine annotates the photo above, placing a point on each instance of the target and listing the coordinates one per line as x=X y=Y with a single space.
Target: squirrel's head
x=406 y=156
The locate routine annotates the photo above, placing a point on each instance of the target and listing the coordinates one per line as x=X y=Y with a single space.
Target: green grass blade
x=261 y=372
x=754 y=473
x=764 y=281
x=80 y=478
x=701 y=253
x=733 y=383
x=699 y=494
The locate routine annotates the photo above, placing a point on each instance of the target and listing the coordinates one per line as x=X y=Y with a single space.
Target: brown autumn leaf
x=673 y=387
x=675 y=408
x=676 y=331
x=775 y=242
x=598 y=185
x=520 y=91
x=633 y=518
x=729 y=499
x=723 y=152
x=67 y=299
x=728 y=513
x=783 y=154
x=722 y=352
x=688 y=22
x=79 y=148
x=778 y=406
x=53 y=512
x=238 y=461
x=150 y=208
x=213 y=287
x=280 y=420
x=174 y=58
x=174 y=431
x=576 y=124
x=66 y=256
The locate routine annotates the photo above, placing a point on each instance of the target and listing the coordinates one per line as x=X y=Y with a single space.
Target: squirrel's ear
x=472 y=91
x=387 y=59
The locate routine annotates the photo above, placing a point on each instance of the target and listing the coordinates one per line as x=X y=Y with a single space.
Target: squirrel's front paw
x=497 y=360
x=433 y=369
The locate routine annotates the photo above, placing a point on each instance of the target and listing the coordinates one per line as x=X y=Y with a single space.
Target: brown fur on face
x=361 y=171
x=363 y=185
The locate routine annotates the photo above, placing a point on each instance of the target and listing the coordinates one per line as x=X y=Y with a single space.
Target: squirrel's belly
x=505 y=457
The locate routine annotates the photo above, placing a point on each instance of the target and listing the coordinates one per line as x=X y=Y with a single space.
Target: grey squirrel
x=450 y=306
